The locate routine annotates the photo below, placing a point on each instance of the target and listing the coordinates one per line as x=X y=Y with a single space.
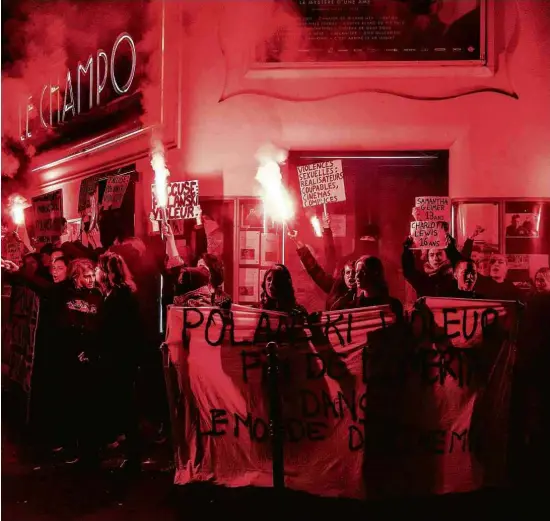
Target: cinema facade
x=467 y=119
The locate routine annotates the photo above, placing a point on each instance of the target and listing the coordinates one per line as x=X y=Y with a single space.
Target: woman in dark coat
x=122 y=347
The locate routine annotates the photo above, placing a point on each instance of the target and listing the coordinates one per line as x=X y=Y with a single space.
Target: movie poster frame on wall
x=529 y=252
x=486 y=8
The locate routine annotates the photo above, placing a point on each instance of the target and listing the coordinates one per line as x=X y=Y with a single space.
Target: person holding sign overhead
x=334 y=285
x=436 y=279
x=179 y=277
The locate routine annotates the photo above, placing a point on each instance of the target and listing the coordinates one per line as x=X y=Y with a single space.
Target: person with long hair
x=542 y=280
x=336 y=284
x=122 y=345
x=211 y=293
x=372 y=288
x=277 y=292
x=70 y=314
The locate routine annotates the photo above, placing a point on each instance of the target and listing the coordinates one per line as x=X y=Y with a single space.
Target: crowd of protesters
x=95 y=330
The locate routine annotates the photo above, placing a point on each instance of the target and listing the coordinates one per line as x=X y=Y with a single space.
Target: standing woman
x=278 y=292
x=80 y=322
x=121 y=340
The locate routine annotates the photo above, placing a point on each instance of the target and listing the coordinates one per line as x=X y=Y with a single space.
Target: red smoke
x=45 y=39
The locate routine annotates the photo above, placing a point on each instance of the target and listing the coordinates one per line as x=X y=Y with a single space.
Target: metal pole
x=275 y=418
x=172 y=401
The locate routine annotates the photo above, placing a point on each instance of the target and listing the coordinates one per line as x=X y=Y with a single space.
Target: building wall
x=499 y=146
x=499 y=142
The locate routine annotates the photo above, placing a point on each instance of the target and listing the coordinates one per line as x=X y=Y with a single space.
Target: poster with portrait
x=248 y=285
x=73 y=229
x=269 y=249
x=324 y=31
x=480 y=221
x=249 y=247
x=252 y=215
x=524 y=225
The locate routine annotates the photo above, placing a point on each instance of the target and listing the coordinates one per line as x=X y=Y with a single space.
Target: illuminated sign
x=55 y=106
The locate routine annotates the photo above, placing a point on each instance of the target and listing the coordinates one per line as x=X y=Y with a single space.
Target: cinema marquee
x=51 y=94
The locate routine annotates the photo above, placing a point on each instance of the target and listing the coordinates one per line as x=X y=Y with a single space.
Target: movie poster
x=310 y=31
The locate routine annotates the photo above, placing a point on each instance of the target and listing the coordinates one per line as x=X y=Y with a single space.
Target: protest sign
x=371 y=406
x=183 y=200
x=24 y=307
x=322 y=183
x=12 y=250
x=48 y=211
x=428 y=234
x=432 y=209
x=114 y=191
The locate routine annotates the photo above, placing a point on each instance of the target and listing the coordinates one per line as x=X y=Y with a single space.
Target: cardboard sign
x=369 y=407
x=183 y=200
x=48 y=210
x=428 y=234
x=12 y=250
x=114 y=191
x=322 y=183
x=433 y=209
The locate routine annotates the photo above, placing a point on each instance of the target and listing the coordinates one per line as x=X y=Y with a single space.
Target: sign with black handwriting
x=183 y=201
x=370 y=405
x=48 y=211
x=428 y=234
x=433 y=209
x=114 y=191
x=322 y=183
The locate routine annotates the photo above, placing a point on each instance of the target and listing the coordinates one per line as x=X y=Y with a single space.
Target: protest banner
x=48 y=211
x=371 y=406
x=432 y=209
x=24 y=308
x=427 y=235
x=183 y=201
x=114 y=191
x=322 y=183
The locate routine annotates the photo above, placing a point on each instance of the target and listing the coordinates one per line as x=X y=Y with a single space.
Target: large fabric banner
x=23 y=320
x=372 y=406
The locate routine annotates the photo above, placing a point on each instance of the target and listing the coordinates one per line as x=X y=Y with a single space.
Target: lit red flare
x=161 y=173
x=277 y=202
x=17 y=209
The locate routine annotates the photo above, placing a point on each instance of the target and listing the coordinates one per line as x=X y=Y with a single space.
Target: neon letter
x=42 y=120
x=88 y=68
x=100 y=84
x=128 y=84
x=68 y=89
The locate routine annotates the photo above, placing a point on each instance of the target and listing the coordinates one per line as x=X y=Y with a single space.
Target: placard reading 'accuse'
x=183 y=200
x=433 y=209
x=322 y=183
x=428 y=234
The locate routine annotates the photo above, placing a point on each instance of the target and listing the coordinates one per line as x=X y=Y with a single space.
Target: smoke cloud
x=42 y=40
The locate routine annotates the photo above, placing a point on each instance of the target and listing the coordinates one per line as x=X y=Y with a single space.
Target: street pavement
x=56 y=492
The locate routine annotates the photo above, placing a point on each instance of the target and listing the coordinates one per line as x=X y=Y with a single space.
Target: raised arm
x=330 y=249
x=419 y=280
x=201 y=240
x=324 y=280
x=39 y=285
x=173 y=258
